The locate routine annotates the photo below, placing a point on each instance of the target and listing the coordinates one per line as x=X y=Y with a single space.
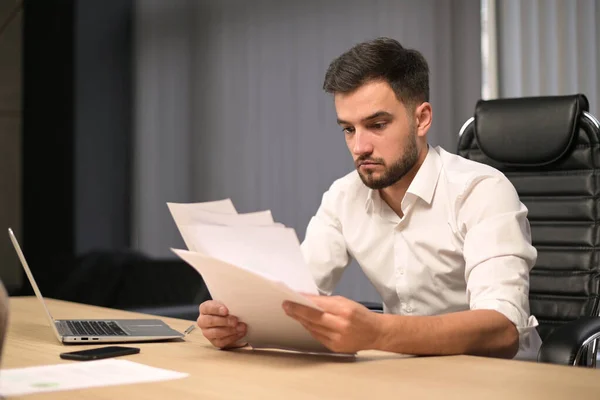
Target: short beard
x=396 y=171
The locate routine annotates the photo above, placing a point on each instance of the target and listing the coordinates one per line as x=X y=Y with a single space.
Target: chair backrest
x=549 y=149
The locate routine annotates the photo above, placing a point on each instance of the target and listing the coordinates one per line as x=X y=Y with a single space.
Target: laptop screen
x=32 y=281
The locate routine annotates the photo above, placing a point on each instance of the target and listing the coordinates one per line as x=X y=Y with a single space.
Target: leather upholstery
x=551 y=154
x=566 y=345
x=513 y=142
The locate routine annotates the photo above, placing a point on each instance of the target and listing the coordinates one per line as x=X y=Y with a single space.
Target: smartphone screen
x=99 y=353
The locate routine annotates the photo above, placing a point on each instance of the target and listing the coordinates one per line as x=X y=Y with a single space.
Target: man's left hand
x=343 y=326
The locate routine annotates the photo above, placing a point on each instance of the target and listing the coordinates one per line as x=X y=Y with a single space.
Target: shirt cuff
x=529 y=339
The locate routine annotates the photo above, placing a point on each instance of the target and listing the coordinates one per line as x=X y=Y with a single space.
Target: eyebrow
x=378 y=114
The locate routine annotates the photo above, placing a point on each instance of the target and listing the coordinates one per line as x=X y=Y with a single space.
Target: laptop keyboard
x=95 y=328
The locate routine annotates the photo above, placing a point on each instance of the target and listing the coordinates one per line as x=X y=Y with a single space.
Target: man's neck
x=393 y=195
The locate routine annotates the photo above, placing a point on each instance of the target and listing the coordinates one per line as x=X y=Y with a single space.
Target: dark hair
x=404 y=69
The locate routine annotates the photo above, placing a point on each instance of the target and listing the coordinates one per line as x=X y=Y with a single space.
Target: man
x=445 y=240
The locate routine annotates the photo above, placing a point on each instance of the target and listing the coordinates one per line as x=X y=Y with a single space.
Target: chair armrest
x=567 y=344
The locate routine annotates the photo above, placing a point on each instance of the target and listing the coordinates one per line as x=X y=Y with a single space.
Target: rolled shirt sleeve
x=324 y=248
x=499 y=255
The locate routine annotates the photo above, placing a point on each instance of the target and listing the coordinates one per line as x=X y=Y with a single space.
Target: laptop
x=88 y=331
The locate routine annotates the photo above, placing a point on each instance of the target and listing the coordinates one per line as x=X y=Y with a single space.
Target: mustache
x=367 y=159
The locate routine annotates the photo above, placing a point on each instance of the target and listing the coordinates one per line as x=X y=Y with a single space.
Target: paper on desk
x=256 y=299
x=270 y=250
x=79 y=375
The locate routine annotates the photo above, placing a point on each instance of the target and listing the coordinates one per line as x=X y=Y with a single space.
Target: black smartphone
x=99 y=353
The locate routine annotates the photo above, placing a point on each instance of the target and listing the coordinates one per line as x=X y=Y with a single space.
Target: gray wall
x=102 y=125
x=10 y=144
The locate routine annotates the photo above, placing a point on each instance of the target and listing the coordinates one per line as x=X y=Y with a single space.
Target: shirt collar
x=423 y=185
x=372 y=196
x=425 y=181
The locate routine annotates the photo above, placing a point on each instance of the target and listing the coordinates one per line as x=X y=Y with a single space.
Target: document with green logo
x=79 y=375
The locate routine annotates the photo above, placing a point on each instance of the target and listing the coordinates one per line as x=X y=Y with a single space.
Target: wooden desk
x=248 y=374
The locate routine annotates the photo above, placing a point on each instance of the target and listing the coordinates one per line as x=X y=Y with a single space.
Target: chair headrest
x=528 y=131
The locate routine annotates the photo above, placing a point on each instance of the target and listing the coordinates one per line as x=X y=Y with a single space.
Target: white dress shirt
x=463 y=243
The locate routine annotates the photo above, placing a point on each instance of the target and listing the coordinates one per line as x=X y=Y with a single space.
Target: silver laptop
x=87 y=331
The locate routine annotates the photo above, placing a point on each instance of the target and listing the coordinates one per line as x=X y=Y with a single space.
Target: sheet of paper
x=200 y=217
x=185 y=213
x=259 y=218
x=257 y=301
x=270 y=250
x=79 y=375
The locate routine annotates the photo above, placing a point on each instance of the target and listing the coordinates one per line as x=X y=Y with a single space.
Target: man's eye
x=380 y=125
x=348 y=130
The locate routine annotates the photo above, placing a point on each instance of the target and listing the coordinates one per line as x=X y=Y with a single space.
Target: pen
x=189 y=330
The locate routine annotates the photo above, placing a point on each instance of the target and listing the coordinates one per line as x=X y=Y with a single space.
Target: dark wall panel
x=76 y=132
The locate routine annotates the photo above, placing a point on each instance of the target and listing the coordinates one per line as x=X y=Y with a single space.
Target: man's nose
x=362 y=144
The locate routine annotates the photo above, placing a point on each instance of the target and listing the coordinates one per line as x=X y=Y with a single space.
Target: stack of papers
x=252 y=264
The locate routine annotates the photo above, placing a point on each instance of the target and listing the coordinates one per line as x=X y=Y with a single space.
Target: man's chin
x=370 y=181
x=376 y=181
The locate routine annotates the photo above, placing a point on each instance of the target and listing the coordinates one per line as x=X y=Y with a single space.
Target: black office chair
x=549 y=148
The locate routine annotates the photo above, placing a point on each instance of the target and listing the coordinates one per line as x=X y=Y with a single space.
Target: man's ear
x=423 y=114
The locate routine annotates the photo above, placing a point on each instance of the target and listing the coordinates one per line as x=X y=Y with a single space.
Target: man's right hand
x=221 y=329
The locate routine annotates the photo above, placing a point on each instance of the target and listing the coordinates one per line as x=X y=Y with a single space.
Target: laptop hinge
x=62 y=328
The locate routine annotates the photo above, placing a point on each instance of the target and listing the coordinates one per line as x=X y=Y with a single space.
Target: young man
x=445 y=240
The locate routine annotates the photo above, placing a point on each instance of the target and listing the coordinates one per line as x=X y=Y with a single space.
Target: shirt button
x=409 y=309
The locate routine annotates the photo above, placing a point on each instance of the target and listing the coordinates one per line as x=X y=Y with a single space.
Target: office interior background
x=110 y=109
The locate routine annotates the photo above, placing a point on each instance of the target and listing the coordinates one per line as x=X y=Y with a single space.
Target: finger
x=317 y=329
x=304 y=314
x=239 y=342
x=328 y=323
x=331 y=304
x=212 y=307
x=210 y=321
x=229 y=342
x=302 y=311
x=218 y=333
x=336 y=305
